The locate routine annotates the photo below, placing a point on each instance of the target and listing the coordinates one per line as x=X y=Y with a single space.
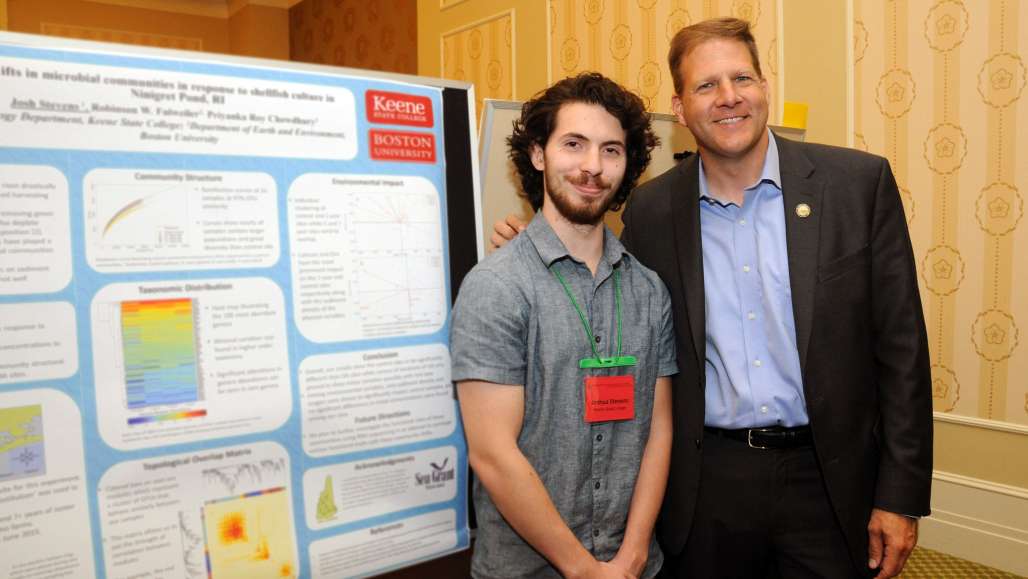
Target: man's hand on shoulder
x=506 y=229
x=891 y=538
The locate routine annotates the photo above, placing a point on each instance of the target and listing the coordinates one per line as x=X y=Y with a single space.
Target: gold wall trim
x=208 y=8
x=476 y=23
x=981 y=423
x=3 y=14
x=236 y=5
x=444 y=4
x=121 y=36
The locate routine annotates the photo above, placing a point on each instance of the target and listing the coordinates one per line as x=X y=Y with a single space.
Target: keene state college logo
x=398 y=108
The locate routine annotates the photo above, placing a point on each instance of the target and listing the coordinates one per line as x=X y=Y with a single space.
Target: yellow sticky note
x=795 y=115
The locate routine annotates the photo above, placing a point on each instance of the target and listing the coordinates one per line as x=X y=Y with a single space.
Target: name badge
x=609 y=398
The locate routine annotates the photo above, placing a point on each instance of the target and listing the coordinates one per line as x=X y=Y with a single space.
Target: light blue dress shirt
x=752 y=364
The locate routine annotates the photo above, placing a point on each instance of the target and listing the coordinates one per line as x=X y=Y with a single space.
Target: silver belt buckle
x=749 y=440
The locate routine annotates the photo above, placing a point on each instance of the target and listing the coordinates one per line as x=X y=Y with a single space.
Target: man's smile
x=589 y=186
x=731 y=120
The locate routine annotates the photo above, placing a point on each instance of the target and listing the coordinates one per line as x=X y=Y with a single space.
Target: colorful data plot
x=250 y=536
x=160 y=352
x=166 y=416
x=21 y=442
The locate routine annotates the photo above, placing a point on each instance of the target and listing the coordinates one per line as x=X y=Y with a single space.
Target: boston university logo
x=398 y=108
x=401 y=146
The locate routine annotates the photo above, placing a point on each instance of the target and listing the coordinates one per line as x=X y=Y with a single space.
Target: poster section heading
x=51 y=104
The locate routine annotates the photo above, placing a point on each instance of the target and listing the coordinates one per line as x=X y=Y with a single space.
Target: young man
x=802 y=415
x=562 y=346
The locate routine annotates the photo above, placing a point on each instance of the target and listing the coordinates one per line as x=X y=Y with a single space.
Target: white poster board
x=224 y=317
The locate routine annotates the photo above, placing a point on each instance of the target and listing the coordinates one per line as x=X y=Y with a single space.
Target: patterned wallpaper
x=628 y=40
x=940 y=92
x=370 y=34
x=482 y=53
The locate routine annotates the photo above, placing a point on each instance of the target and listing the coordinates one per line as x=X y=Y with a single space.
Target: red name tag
x=609 y=398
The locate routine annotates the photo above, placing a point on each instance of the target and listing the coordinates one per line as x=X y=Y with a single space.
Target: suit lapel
x=801 y=186
x=685 y=213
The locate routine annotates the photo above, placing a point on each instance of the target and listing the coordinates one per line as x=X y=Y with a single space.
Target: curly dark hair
x=539 y=116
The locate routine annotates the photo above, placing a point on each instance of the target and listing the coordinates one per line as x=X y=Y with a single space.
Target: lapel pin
x=803 y=210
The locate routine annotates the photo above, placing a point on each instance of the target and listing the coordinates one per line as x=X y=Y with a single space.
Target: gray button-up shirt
x=514 y=324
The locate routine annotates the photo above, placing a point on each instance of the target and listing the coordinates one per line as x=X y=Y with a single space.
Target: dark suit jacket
x=859 y=330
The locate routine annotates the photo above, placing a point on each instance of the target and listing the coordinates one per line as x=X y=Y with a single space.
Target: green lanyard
x=597 y=361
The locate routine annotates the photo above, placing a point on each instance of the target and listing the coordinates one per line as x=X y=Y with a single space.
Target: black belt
x=767 y=438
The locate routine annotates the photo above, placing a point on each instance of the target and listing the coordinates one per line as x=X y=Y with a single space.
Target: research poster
x=224 y=308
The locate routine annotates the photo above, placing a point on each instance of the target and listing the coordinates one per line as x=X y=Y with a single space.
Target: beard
x=586 y=213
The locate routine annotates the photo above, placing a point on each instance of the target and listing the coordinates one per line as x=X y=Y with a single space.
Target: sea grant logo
x=401 y=146
x=398 y=108
x=437 y=477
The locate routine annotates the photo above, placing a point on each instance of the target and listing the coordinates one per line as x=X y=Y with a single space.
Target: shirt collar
x=770 y=172
x=551 y=248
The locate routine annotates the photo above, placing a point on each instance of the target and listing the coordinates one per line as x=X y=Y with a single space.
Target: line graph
x=395 y=241
x=140 y=216
x=406 y=223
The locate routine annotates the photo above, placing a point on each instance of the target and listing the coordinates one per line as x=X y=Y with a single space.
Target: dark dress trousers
x=860 y=331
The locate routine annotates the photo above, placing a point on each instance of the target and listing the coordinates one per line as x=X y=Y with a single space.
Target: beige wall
x=628 y=41
x=548 y=40
x=964 y=199
x=939 y=90
x=375 y=35
x=814 y=43
x=499 y=45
